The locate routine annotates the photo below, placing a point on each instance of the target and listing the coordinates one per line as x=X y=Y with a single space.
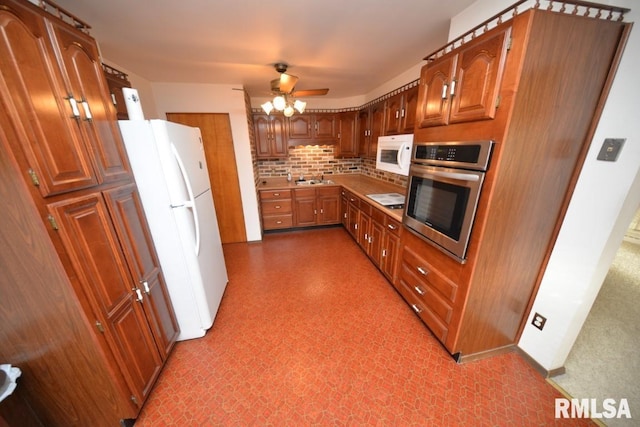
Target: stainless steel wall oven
x=445 y=180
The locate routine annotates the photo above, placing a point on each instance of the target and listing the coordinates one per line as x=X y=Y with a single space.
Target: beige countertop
x=359 y=184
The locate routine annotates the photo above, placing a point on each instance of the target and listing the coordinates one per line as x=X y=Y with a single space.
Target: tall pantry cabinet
x=84 y=309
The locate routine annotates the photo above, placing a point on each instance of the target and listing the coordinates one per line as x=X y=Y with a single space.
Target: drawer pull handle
x=416 y=308
x=422 y=271
x=419 y=290
x=277 y=206
x=278 y=222
x=276 y=194
x=392 y=227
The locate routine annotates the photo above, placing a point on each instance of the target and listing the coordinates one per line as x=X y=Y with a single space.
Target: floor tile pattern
x=310 y=333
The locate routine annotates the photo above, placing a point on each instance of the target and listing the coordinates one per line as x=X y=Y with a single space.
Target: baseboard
x=484 y=354
x=538 y=367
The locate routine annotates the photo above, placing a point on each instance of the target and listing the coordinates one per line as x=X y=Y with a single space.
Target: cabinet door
x=393 y=107
x=329 y=205
x=409 y=110
x=78 y=56
x=348 y=145
x=478 y=77
x=92 y=244
x=364 y=124
x=304 y=211
x=278 y=137
x=364 y=222
x=389 y=255
x=262 y=133
x=433 y=97
x=353 y=216
x=126 y=209
x=325 y=127
x=115 y=85
x=377 y=124
x=34 y=101
x=376 y=234
x=300 y=127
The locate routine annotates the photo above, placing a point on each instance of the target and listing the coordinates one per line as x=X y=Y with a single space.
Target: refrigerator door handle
x=191 y=204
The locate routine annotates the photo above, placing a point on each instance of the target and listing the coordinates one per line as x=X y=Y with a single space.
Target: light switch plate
x=611 y=149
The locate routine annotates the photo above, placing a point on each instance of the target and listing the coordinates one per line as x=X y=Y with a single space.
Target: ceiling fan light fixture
x=299 y=106
x=279 y=102
x=288 y=111
x=267 y=107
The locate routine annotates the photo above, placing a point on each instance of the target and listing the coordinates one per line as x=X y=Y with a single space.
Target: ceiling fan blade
x=287 y=82
x=311 y=92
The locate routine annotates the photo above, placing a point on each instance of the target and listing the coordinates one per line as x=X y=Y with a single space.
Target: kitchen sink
x=314 y=182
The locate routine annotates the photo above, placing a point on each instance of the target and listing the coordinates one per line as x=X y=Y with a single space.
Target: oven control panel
x=466 y=155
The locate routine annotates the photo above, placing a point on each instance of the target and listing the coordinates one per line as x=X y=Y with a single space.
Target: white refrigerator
x=170 y=170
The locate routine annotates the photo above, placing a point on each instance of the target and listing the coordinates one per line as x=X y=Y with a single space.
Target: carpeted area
x=605 y=360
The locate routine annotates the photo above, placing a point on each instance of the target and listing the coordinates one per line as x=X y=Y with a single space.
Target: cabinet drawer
x=378 y=216
x=392 y=226
x=276 y=207
x=275 y=194
x=352 y=199
x=425 y=313
x=424 y=291
x=275 y=222
x=304 y=193
x=428 y=275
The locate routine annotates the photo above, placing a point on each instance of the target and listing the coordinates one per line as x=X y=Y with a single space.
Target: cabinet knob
x=138 y=294
x=145 y=285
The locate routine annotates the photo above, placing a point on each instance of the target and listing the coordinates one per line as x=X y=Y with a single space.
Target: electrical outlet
x=538 y=321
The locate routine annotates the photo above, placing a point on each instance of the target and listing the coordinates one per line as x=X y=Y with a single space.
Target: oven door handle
x=454 y=175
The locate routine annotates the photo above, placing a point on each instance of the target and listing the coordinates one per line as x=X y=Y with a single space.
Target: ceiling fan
x=287 y=83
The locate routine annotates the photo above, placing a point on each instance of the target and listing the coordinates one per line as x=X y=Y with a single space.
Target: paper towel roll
x=133 y=104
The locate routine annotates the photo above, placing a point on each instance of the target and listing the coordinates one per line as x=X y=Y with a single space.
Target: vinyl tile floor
x=309 y=332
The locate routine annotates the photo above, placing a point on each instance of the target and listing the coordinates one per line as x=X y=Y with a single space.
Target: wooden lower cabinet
x=300 y=207
x=276 y=208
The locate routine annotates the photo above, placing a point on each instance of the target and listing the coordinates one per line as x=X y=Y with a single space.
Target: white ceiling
x=348 y=46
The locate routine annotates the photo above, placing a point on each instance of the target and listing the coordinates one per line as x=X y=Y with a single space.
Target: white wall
x=604 y=201
x=209 y=98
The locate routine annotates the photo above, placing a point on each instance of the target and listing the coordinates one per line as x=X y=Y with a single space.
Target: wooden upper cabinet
x=376 y=129
x=270 y=136
x=347 y=134
x=400 y=112
x=363 y=130
x=37 y=105
x=464 y=85
x=315 y=128
x=85 y=80
x=116 y=80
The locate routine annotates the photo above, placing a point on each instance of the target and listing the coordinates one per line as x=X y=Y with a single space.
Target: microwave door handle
x=454 y=175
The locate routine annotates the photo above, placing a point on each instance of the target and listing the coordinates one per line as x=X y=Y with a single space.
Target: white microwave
x=394 y=153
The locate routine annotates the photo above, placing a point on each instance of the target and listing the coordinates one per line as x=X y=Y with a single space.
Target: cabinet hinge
x=53 y=222
x=100 y=327
x=34 y=177
x=509 y=44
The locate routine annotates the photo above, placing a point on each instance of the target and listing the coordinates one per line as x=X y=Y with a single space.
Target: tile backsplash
x=313 y=161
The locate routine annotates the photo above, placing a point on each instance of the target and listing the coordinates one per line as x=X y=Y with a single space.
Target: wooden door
x=85 y=81
x=478 y=77
x=126 y=210
x=34 y=101
x=223 y=171
x=325 y=127
x=88 y=235
x=433 y=98
x=279 y=147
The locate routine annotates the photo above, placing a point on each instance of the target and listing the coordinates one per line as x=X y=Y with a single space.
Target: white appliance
x=171 y=172
x=394 y=153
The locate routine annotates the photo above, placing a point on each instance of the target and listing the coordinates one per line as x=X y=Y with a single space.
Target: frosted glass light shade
x=267 y=107
x=300 y=106
x=288 y=111
x=279 y=102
